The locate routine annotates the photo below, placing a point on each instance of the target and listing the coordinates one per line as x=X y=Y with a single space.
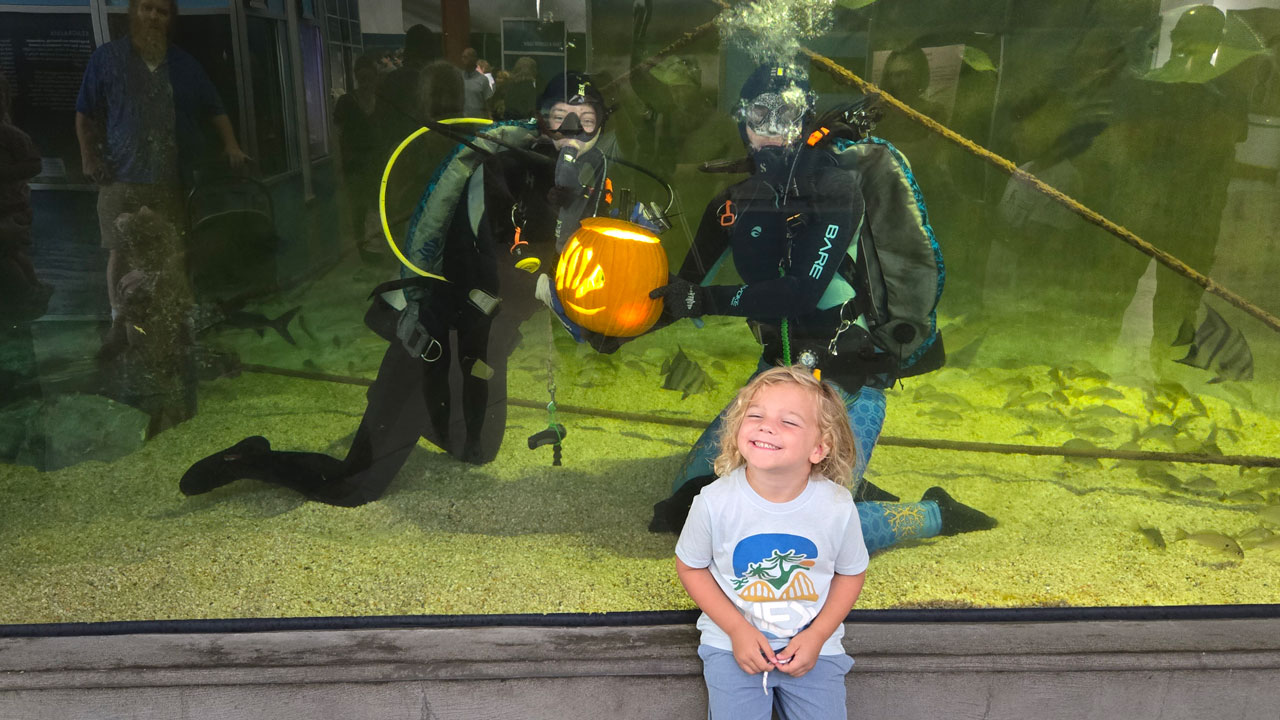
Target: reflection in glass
x=269 y=114
x=1114 y=412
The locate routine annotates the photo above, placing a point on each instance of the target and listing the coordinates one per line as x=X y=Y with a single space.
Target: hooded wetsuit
x=796 y=231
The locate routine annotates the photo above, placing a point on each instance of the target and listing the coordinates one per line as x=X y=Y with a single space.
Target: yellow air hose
x=382 y=190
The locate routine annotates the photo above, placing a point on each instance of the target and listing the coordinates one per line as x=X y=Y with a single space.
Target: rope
x=653 y=59
x=1253 y=461
x=1209 y=285
x=843 y=74
x=552 y=425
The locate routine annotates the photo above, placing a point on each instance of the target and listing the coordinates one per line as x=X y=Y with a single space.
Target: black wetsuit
x=792 y=250
x=411 y=398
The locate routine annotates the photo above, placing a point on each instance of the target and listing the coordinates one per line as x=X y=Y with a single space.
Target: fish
x=1214 y=540
x=211 y=315
x=1031 y=431
x=1271 y=482
x=1159 y=474
x=1022 y=399
x=1100 y=432
x=1162 y=433
x=1162 y=478
x=1078 y=444
x=1252 y=496
x=687 y=376
x=944 y=414
x=1104 y=393
x=1152 y=536
x=1172 y=391
x=1155 y=407
x=1019 y=382
x=1085 y=370
x=1055 y=376
x=1271 y=544
x=1200 y=483
x=1198 y=405
x=1255 y=535
x=1217 y=347
x=1102 y=412
x=1061 y=397
x=965 y=356
x=1270 y=514
x=930 y=394
x=946 y=398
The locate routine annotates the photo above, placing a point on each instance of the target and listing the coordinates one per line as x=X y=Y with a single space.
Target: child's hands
x=751 y=650
x=801 y=654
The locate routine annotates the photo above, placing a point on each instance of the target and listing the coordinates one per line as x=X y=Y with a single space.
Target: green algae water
x=1119 y=421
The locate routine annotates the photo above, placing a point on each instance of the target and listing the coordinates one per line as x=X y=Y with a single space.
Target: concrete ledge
x=1162 y=670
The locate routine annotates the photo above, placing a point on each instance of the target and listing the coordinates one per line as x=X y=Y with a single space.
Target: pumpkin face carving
x=605 y=274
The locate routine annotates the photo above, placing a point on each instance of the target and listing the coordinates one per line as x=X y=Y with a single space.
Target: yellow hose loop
x=382 y=190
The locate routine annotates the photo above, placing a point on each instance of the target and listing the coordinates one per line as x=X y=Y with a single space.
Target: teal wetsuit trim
x=887 y=524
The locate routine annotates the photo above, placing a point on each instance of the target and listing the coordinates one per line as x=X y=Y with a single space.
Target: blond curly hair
x=833 y=424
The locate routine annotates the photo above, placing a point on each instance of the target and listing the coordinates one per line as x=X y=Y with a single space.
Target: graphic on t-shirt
x=769 y=568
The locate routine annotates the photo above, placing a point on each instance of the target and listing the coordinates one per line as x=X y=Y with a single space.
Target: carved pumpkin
x=605 y=274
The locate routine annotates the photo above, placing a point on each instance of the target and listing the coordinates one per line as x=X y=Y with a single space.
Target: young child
x=773 y=553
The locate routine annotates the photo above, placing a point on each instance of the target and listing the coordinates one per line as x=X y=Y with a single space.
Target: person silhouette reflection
x=1181 y=124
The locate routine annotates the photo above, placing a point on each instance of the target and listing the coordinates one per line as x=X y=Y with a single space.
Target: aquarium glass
x=216 y=400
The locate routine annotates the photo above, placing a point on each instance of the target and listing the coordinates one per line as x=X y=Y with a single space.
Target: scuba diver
x=495 y=211
x=841 y=274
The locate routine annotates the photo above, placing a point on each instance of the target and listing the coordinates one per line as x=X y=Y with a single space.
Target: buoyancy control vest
x=895 y=273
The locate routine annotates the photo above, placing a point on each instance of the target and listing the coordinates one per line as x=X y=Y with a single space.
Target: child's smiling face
x=780 y=432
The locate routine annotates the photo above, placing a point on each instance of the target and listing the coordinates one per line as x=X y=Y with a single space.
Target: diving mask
x=572 y=122
x=775 y=114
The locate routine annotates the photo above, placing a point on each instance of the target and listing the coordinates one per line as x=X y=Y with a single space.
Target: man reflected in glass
x=140 y=116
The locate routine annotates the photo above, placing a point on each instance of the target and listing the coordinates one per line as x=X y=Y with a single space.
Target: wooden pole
x=842 y=74
x=890 y=440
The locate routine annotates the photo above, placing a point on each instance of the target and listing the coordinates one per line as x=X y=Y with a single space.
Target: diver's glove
x=414 y=336
x=682 y=299
x=544 y=292
x=600 y=343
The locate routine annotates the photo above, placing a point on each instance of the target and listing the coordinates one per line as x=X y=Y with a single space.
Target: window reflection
x=269 y=113
x=1097 y=401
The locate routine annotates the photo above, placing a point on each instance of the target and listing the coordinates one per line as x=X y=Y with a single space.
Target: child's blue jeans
x=734 y=695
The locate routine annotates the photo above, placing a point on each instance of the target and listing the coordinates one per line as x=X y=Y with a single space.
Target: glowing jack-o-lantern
x=605 y=274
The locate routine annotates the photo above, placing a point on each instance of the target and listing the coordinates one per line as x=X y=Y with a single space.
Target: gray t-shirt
x=475 y=93
x=774 y=561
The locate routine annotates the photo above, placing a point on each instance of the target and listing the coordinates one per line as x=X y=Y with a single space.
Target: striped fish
x=1217 y=347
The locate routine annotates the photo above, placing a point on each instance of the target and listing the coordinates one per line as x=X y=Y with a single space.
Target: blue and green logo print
x=771 y=567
